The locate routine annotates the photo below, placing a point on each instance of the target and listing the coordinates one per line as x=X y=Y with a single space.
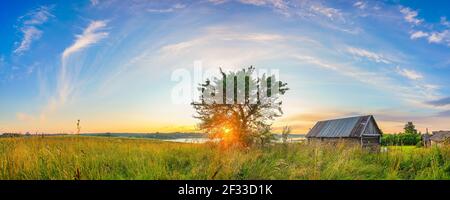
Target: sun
x=226 y=130
x=227 y=135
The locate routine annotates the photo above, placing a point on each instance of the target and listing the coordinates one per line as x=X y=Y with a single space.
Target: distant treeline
x=11 y=135
x=29 y=134
x=162 y=136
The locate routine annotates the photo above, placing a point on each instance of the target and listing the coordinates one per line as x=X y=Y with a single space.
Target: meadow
x=94 y=158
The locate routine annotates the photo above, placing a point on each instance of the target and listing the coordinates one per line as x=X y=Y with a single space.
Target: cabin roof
x=440 y=136
x=344 y=127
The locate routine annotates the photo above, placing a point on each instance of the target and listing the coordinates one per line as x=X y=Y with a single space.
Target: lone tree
x=239 y=107
x=410 y=128
x=78 y=127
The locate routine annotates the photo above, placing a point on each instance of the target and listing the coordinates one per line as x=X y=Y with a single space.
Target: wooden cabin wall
x=334 y=141
x=372 y=143
x=371 y=129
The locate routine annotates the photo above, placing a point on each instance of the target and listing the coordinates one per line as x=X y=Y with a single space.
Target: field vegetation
x=88 y=157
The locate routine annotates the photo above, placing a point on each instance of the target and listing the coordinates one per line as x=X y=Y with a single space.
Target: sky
x=110 y=63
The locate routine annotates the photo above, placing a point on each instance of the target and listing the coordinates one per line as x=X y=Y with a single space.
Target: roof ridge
x=357 y=116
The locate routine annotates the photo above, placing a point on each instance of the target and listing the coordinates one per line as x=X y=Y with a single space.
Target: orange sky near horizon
x=300 y=124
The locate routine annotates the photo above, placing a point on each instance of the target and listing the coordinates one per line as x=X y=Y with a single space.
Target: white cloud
x=29 y=27
x=254 y=2
x=411 y=16
x=410 y=74
x=278 y=5
x=331 y=13
x=218 y=46
x=221 y=46
x=445 y=22
x=439 y=37
x=39 y=16
x=91 y=35
x=436 y=37
x=167 y=10
x=30 y=34
x=368 y=55
x=290 y=8
x=217 y=1
x=316 y=61
x=375 y=79
x=226 y=47
x=223 y=34
x=305 y=9
x=360 y=5
x=414 y=93
x=418 y=34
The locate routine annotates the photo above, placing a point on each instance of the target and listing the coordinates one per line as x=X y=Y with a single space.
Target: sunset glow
x=110 y=64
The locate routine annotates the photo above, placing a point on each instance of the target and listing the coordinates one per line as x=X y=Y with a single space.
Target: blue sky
x=109 y=62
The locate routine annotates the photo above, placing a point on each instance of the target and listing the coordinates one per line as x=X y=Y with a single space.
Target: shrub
x=401 y=139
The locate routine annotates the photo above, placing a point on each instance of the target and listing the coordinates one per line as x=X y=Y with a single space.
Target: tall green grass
x=77 y=157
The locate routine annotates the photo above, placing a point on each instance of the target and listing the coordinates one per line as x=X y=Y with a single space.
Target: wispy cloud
x=29 y=27
x=279 y=6
x=222 y=55
x=331 y=13
x=410 y=74
x=175 y=7
x=418 y=34
x=410 y=15
x=317 y=11
x=372 y=78
x=360 y=5
x=434 y=37
x=440 y=37
x=92 y=34
x=440 y=102
x=294 y=8
x=433 y=34
x=29 y=35
x=418 y=90
x=362 y=53
x=222 y=34
x=217 y=1
x=316 y=61
x=445 y=22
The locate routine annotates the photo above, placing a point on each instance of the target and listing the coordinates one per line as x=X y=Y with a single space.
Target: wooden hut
x=440 y=138
x=360 y=130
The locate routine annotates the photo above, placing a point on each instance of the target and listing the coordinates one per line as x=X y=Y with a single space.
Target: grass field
x=78 y=157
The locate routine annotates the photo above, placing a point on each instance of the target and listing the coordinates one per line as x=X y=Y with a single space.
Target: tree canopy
x=239 y=107
x=410 y=128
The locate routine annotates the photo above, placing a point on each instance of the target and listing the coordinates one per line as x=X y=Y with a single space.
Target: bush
x=419 y=144
x=401 y=139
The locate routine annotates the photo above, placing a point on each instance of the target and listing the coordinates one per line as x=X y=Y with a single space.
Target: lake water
x=189 y=140
x=203 y=140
